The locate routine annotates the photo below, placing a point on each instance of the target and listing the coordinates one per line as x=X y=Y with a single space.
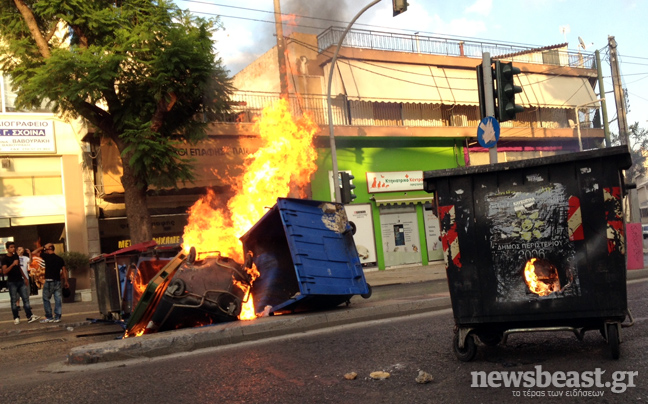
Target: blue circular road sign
x=488 y=132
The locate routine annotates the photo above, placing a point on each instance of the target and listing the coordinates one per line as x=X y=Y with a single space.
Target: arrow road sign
x=488 y=132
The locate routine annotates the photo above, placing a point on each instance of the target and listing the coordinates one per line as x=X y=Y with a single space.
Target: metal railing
x=248 y=106
x=415 y=43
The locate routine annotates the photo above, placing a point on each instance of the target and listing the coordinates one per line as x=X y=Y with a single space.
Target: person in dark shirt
x=17 y=282
x=56 y=278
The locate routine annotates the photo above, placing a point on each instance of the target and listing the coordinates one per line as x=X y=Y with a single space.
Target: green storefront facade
x=403 y=222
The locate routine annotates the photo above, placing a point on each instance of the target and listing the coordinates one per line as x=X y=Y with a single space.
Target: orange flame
x=281 y=167
x=541 y=287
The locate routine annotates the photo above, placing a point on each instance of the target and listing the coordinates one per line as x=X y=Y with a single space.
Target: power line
x=635 y=57
x=367 y=25
x=631 y=63
x=638 y=96
x=338 y=21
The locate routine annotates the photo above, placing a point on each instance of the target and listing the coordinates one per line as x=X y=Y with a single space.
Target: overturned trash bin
x=535 y=245
x=201 y=293
x=306 y=257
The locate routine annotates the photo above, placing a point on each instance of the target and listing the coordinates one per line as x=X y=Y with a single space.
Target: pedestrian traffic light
x=347 y=193
x=506 y=90
x=399 y=6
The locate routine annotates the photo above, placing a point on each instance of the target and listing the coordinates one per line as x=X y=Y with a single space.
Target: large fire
x=281 y=167
x=541 y=277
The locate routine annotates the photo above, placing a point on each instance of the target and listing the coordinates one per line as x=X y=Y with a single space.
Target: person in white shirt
x=25 y=258
x=24 y=265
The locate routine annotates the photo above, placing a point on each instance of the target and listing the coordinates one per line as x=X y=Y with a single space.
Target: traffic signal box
x=399 y=6
x=347 y=193
x=504 y=90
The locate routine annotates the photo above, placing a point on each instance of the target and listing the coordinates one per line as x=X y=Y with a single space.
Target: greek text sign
x=394 y=181
x=27 y=136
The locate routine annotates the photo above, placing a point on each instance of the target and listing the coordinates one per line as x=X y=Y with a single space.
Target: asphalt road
x=310 y=368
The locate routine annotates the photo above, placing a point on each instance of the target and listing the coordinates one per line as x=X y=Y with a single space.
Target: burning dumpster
x=105 y=267
x=299 y=256
x=534 y=245
x=305 y=255
x=202 y=292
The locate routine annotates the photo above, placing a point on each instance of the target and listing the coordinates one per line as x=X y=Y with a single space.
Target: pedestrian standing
x=37 y=269
x=25 y=259
x=17 y=283
x=56 y=278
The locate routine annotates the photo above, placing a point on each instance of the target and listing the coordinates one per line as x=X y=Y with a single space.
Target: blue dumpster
x=306 y=257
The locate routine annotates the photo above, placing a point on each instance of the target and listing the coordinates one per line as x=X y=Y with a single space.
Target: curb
x=190 y=339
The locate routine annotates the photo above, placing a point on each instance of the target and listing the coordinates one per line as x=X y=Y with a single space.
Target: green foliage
x=638 y=146
x=75 y=262
x=139 y=71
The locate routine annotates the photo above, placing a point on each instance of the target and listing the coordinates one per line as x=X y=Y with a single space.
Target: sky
x=249 y=31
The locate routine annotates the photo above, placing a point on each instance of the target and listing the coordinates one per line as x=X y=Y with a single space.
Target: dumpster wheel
x=613 y=339
x=368 y=294
x=469 y=350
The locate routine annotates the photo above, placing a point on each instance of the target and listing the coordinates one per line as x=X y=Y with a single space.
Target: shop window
x=48 y=186
x=30 y=186
x=16 y=187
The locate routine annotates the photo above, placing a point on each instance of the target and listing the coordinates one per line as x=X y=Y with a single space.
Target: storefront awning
x=407 y=83
x=401 y=200
x=410 y=83
x=554 y=91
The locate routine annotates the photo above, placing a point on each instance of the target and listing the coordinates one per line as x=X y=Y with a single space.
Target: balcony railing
x=248 y=105
x=414 y=43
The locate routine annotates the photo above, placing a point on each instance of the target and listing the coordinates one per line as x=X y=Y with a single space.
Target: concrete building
x=403 y=104
x=46 y=181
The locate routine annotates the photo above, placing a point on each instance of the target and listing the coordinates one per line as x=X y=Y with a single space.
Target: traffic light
x=347 y=193
x=506 y=89
x=399 y=6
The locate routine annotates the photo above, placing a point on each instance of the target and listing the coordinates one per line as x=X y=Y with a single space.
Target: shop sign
x=394 y=181
x=27 y=136
x=163 y=240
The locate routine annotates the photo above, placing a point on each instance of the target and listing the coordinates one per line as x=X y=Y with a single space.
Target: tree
x=144 y=73
x=638 y=147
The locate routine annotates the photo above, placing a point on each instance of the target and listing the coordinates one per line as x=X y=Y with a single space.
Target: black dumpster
x=208 y=291
x=534 y=245
x=306 y=257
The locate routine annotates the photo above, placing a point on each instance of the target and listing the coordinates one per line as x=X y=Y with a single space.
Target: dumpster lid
x=624 y=162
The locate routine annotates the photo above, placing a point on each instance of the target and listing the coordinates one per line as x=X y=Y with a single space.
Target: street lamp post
x=338 y=194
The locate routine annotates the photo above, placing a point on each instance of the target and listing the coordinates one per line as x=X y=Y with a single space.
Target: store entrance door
x=400 y=235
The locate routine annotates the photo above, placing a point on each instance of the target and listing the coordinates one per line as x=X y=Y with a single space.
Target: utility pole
x=619 y=96
x=488 y=98
x=632 y=200
x=281 y=51
x=604 y=114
